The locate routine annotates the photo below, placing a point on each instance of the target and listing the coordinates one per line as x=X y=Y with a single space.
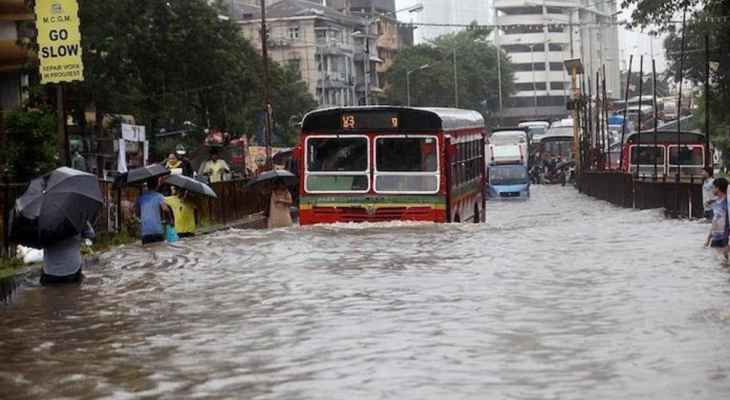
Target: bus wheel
x=477 y=217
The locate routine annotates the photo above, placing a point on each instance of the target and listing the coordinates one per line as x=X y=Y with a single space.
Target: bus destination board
x=370 y=120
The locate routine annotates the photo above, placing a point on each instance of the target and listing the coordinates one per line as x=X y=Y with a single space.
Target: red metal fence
x=680 y=199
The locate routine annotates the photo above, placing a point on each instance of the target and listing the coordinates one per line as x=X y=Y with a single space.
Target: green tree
x=476 y=68
x=30 y=149
x=705 y=19
x=171 y=61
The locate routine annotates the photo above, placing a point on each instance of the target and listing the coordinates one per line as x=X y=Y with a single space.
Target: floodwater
x=561 y=297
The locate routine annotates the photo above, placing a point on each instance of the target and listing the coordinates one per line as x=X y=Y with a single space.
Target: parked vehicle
x=368 y=164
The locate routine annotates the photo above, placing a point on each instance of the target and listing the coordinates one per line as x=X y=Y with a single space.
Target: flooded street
x=561 y=297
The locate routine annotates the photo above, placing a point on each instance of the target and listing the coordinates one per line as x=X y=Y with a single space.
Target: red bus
x=687 y=156
x=382 y=163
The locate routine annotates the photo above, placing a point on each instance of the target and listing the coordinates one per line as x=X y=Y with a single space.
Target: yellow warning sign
x=59 y=41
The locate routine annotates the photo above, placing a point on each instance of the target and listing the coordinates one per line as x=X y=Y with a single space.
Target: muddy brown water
x=561 y=297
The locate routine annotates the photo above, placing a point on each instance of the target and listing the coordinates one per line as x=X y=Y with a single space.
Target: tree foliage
x=171 y=61
x=706 y=19
x=476 y=68
x=30 y=148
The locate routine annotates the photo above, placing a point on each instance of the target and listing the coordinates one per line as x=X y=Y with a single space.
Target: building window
x=556 y=28
x=523 y=48
x=294 y=32
x=557 y=85
x=527 y=86
x=556 y=47
x=538 y=66
x=556 y=66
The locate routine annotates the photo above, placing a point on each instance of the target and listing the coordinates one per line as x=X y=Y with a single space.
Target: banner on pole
x=59 y=41
x=134 y=133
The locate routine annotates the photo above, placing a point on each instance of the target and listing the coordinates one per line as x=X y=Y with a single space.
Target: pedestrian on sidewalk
x=279 y=215
x=62 y=260
x=184 y=211
x=708 y=198
x=718 y=236
x=150 y=209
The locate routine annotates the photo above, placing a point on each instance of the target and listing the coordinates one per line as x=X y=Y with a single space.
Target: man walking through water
x=150 y=208
x=62 y=260
x=718 y=236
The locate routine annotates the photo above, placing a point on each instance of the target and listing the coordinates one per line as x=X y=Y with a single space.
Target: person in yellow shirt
x=216 y=168
x=184 y=211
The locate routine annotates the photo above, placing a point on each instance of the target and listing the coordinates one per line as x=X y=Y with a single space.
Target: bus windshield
x=337 y=164
x=508 y=175
x=406 y=164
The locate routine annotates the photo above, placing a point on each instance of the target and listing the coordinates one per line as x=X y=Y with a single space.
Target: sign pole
x=267 y=86
x=61 y=126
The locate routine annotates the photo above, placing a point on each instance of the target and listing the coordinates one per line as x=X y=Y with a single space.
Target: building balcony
x=541 y=76
x=15 y=10
x=532 y=19
x=533 y=38
x=539 y=56
x=13 y=57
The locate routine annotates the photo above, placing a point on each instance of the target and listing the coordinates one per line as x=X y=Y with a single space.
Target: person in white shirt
x=708 y=197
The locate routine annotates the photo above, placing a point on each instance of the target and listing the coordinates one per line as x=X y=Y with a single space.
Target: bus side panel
x=464 y=197
x=447 y=183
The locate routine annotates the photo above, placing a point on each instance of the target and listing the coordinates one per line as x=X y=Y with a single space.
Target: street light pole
x=456 y=83
x=267 y=85
x=408 y=87
x=534 y=82
x=408 y=81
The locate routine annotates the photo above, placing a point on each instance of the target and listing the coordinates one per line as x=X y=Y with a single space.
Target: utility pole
x=61 y=125
x=267 y=85
x=499 y=71
x=456 y=83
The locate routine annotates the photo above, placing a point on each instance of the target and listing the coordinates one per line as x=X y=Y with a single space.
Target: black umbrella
x=55 y=207
x=191 y=185
x=284 y=176
x=565 y=164
x=142 y=174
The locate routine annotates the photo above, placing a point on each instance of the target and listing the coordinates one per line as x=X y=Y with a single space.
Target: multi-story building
x=390 y=36
x=539 y=35
x=13 y=58
x=327 y=46
x=440 y=17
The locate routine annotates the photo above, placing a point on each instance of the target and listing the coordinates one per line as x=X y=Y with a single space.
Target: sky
x=636 y=43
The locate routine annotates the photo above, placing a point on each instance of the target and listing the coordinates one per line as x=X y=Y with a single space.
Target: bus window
x=646 y=155
x=337 y=164
x=406 y=164
x=688 y=156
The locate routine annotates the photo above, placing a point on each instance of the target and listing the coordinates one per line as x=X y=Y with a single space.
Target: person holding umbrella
x=184 y=211
x=278 y=183
x=279 y=203
x=54 y=214
x=183 y=206
x=62 y=261
x=150 y=209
